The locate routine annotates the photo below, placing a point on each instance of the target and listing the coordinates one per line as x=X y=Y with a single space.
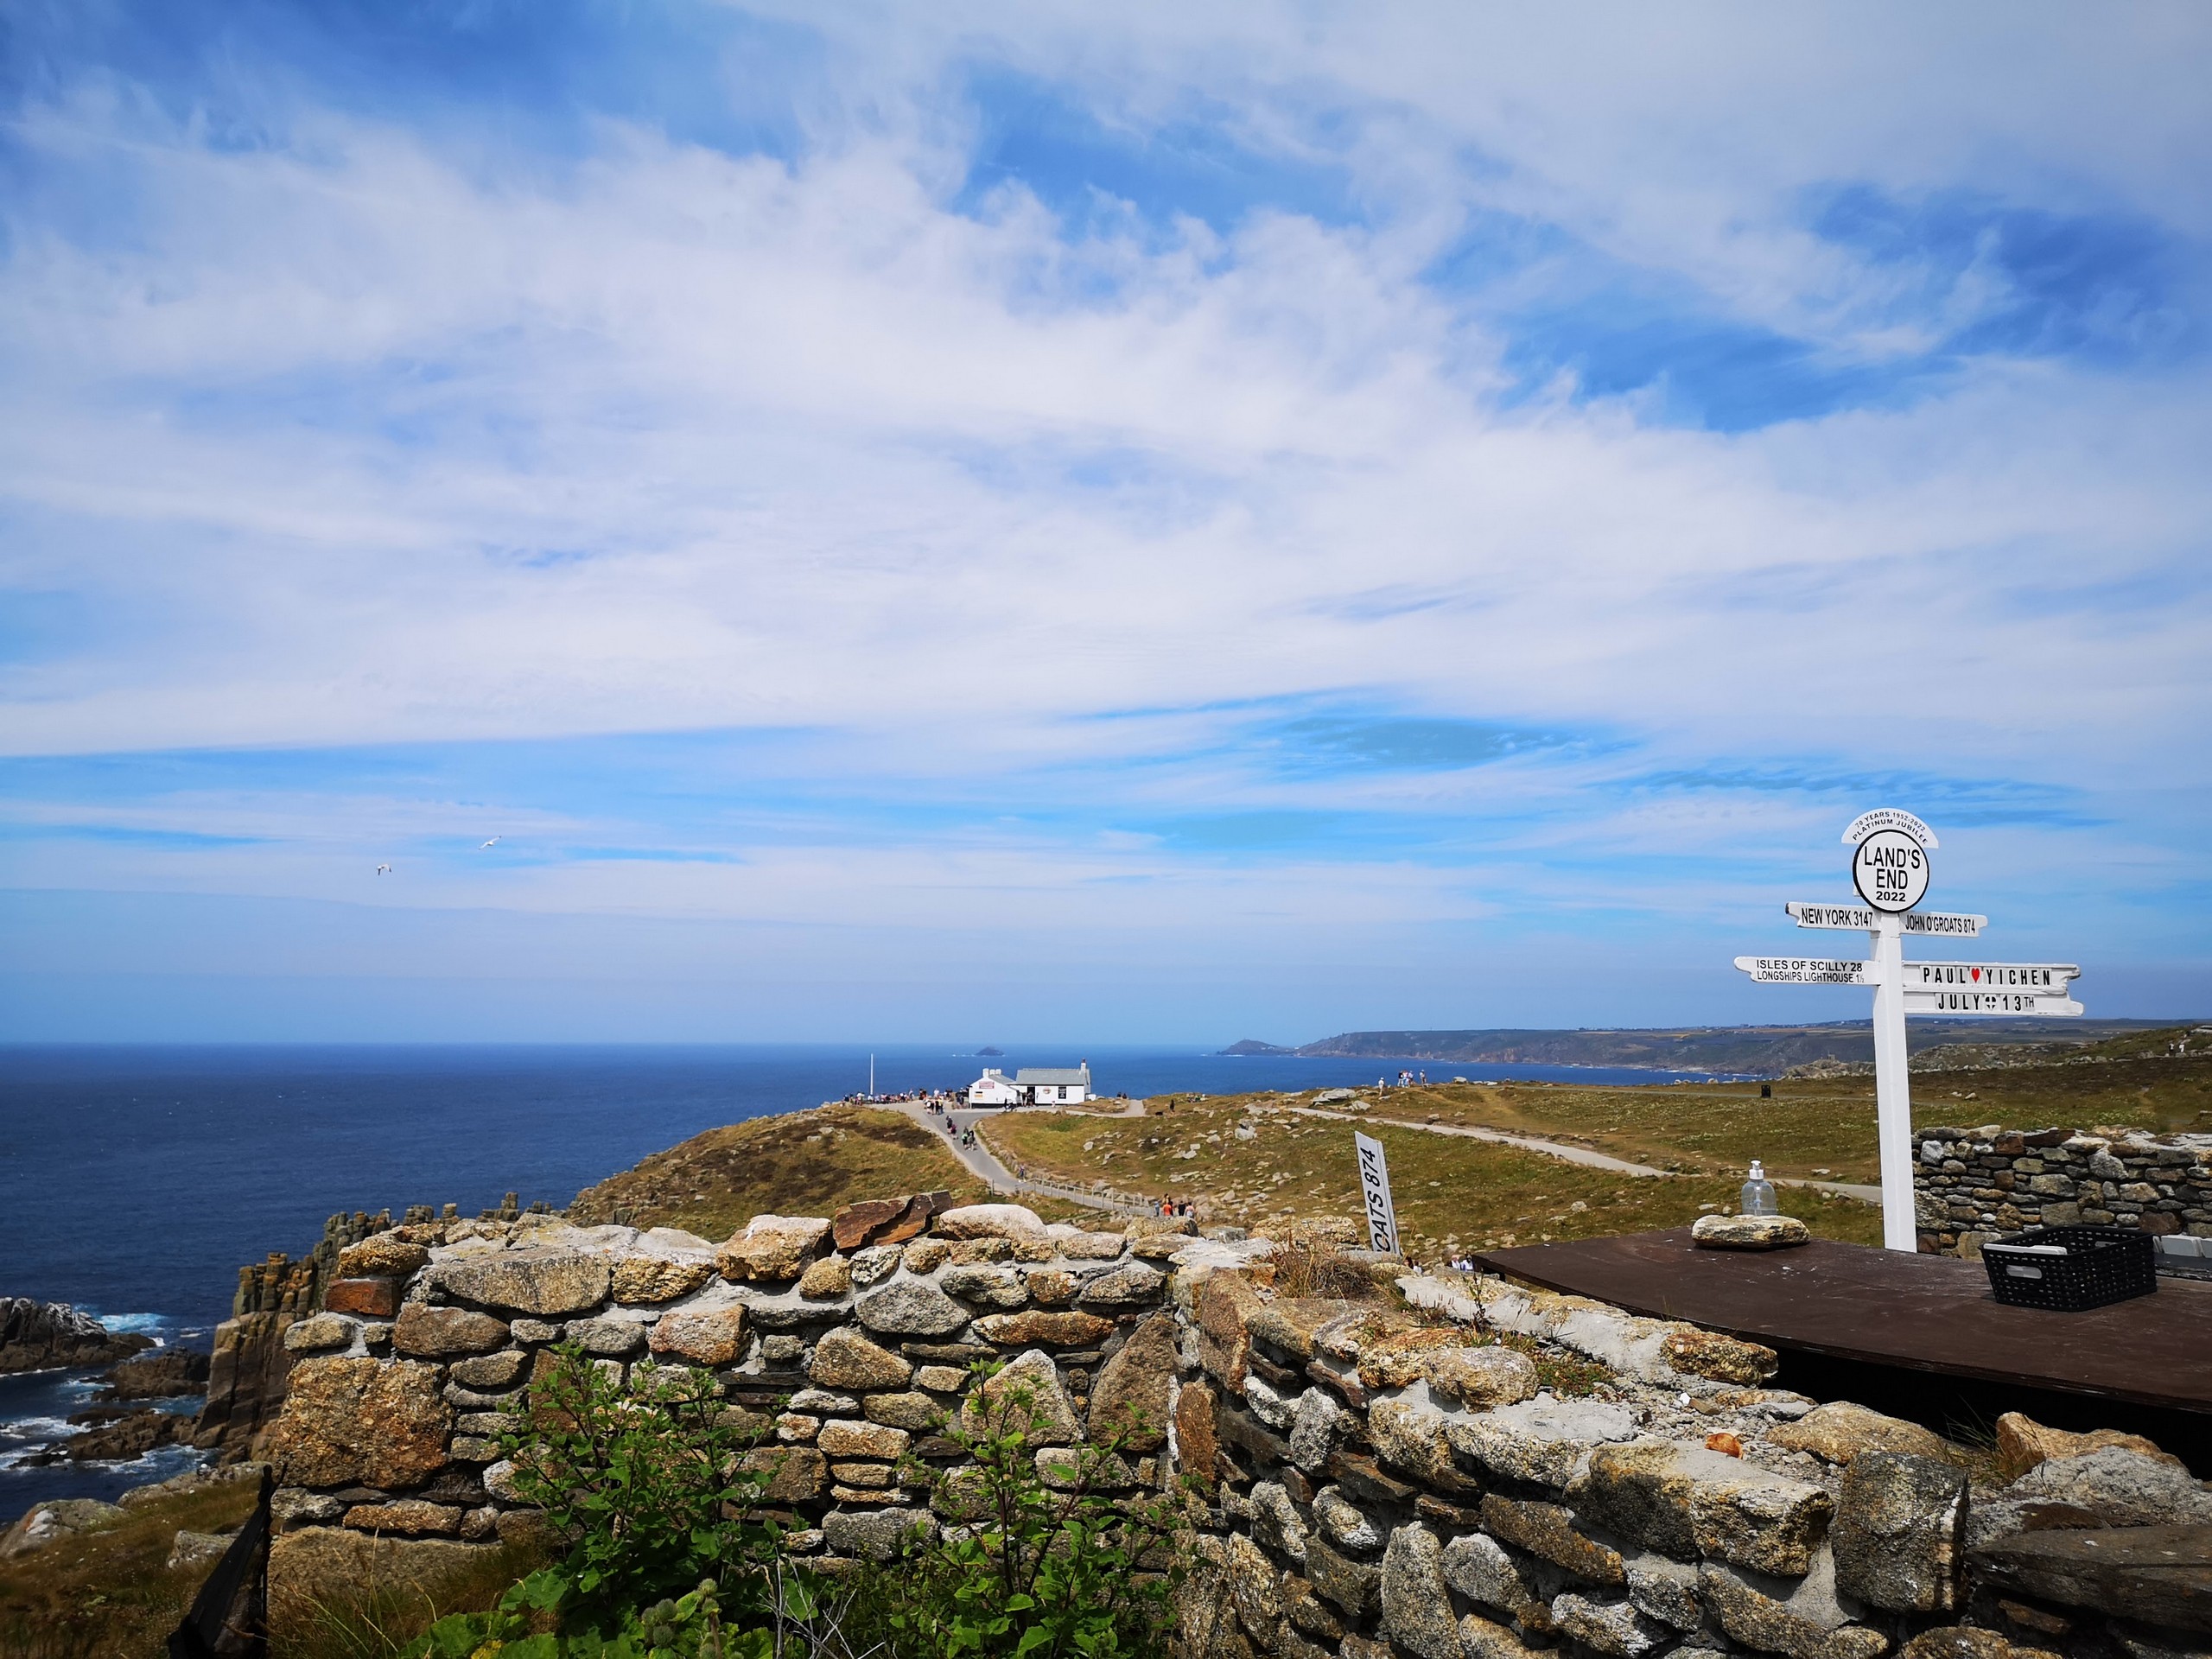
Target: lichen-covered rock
x=993 y=1286
x=925 y=1255
x=1079 y=1246
x=1276 y=1520
x=773 y=1249
x=1397 y=1358
x=1771 y=1624
x=1317 y=1425
x=1685 y=1501
x=845 y=1438
x=319 y=1334
x=1545 y=1442
x=647 y=1280
x=874 y=1264
x=1963 y=1641
x=1748 y=1232
x=1614 y=1627
x=361 y=1421
x=1721 y=1359
x=1352 y=1585
x=1196 y=1435
x=1270 y=1407
x=826 y=1280
x=1026 y=1394
x=407 y=1517
x=1226 y=1305
x=2022 y=1443
x=1061 y=1330
x=873 y=1536
x=909 y=1307
x=1293 y=1324
x=491 y=1371
x=1485 y=1639
x=551 y=1281
x=1253 y=1591
x=1478 y=1568
x=1410 y=1434
x=1481 y=1378
x=382 y=1255
x=1051 y=1287
x=916 y=1412
x=2113 y=1487
x=1547 y=1530
x=1665 y=1590
x=1840 y=1431
x=1133 y=1286
x=607 y=1339
x=706 y=1336
x=795 y=1474
x=439 y=1332
x=989 y=1221
x=1130 y=1396
x=1899 y=1533
x=1416 y=1605
x=1343 y=1522
x=846 y=1359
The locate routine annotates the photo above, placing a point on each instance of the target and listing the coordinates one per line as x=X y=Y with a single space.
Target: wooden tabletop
x=1923 y=1312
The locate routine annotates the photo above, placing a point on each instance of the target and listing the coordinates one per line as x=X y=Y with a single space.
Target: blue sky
x=1108 y=524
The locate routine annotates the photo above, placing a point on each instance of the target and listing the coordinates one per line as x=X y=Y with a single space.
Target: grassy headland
x=809 y=1163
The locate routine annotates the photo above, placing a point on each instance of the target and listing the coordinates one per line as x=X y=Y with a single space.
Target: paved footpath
x=983 y=1163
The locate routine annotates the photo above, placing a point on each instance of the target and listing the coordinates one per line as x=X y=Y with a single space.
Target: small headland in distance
x=1757 y=1051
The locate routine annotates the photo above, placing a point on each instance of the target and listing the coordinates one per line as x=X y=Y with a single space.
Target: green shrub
x=1065 y=1565
x=645 y=1479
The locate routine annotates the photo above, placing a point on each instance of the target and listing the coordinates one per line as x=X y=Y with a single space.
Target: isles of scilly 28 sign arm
x=1890 y=868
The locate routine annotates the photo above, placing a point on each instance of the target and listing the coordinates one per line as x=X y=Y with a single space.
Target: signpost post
x=1374 y=1186
x=1891 y=866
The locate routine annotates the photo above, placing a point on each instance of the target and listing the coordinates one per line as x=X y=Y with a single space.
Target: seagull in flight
x=383 y=869
x=492 y=843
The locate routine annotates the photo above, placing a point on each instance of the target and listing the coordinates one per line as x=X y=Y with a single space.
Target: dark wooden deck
x=1883 y=1307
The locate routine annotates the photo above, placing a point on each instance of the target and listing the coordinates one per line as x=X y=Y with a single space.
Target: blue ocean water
x=135 y=1181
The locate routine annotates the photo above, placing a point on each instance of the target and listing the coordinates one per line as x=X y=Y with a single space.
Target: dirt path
x=1568 y=1152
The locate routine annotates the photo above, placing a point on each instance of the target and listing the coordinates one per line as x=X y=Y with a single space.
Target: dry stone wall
x=1463 y=1470
x=1971 y=1184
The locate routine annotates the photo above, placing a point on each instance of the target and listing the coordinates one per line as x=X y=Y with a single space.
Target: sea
x=135 y=1181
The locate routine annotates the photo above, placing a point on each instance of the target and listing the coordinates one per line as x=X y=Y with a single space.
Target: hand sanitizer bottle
x=1759 y=1193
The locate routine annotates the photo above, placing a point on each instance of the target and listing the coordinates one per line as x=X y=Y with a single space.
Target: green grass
x=810 y=1163
x=108 y=1594
x=1449 y=1191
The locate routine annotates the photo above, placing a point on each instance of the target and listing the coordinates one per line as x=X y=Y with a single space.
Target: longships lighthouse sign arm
x=1890 y=869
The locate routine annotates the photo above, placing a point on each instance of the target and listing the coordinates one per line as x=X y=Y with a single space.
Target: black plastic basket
x=2093 y=1266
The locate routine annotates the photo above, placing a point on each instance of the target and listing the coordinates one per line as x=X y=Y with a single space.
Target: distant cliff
x=1759 y=1050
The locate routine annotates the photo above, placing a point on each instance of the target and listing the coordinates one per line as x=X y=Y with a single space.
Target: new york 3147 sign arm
x=1890 y=869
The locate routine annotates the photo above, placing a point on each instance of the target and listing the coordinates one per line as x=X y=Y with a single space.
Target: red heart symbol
x=1976 y=972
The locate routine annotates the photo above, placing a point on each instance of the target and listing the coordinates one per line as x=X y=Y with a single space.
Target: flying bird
x=492 y=843
x=383 y=869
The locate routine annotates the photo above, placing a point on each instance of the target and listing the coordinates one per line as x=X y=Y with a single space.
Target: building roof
x=1053 y=1076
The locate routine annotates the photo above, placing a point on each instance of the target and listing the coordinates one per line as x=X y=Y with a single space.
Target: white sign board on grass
x=1374 y=1186
x=1890 y=869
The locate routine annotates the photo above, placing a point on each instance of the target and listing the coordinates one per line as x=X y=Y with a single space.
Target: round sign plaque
x=1889 y=869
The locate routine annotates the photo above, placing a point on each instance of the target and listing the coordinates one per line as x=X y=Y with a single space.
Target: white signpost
x=1890 y=868
x=1375 y=1186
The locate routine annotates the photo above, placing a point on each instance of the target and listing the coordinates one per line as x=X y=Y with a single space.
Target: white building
x=1047 y=1086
